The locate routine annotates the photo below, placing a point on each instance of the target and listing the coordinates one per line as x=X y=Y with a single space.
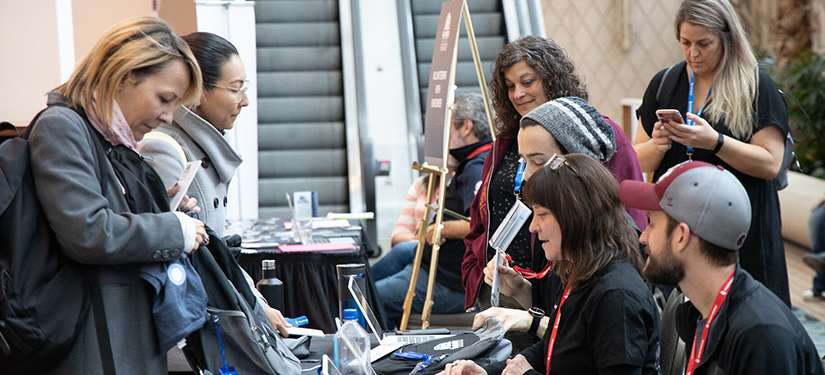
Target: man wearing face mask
x=469 y=142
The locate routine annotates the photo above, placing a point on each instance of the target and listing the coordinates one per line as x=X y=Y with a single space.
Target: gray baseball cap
x=706 y=197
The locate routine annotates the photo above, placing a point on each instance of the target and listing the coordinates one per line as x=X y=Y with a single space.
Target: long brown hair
x=584 y=198
x=736 y=81
x=551 y=64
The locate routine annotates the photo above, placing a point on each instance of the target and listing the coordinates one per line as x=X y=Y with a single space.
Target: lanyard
x=696 y=356
x=690 y=110
x=519 y=180
x=530 y=274
x=479 y=150
x=556 y=328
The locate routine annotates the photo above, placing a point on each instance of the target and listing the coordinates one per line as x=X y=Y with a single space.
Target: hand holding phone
x=670 y=115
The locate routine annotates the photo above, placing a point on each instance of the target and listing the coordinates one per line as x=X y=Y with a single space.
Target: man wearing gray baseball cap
x=699 y=217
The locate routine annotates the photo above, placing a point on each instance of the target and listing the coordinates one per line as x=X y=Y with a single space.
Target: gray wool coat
x=199 y=141
x=98 y=230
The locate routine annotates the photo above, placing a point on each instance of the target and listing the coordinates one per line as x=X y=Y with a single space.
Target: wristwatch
x=537 y=314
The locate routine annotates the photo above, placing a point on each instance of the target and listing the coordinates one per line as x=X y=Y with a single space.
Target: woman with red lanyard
x=527 y=73
x=606 y=321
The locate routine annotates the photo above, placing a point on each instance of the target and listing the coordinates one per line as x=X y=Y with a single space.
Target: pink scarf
x=119 y=133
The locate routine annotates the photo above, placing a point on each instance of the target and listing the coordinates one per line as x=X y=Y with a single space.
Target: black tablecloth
x=311 y=283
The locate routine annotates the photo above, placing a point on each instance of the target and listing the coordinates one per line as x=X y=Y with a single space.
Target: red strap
x=556 y=328
x=480 y=149
x=530 y=274
x=696 y=356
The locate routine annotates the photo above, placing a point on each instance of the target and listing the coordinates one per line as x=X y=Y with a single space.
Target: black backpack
x=668 y=84
x=44 y=295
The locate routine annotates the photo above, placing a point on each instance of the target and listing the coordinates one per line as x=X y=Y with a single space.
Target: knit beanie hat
x=576 y=125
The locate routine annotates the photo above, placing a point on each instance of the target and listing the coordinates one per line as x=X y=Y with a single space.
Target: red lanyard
x=479 y=150
x=556 y=328
x=530 y=274
x=696 y=357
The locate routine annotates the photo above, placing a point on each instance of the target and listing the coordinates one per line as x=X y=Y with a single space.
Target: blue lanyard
x=519 y=180
x=690 y=110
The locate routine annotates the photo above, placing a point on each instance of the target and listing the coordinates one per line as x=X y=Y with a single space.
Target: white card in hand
x=185 y=180
x=494 y=294
x=510 y=226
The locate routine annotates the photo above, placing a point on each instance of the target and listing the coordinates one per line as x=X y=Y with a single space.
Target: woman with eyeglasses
x=606 y=321
x=200 y=131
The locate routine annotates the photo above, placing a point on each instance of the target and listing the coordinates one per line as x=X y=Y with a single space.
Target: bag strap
x=101 y=325
x=668 y=83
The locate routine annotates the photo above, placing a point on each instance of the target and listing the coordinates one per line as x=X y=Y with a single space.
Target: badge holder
x=502 y=238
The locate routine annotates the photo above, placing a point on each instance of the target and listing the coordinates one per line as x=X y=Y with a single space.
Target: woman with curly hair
x=527 y=73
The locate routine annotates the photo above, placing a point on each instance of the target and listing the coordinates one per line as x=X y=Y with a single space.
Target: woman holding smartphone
x=735 y=118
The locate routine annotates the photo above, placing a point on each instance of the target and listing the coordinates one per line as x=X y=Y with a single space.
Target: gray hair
x=471 y=107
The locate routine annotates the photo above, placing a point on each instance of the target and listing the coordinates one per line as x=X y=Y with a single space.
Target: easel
x=439 y=117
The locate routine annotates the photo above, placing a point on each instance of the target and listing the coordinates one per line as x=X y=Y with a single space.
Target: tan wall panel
x=93 y=17
x=29 y=65
x=180 y=14
x=591 y=32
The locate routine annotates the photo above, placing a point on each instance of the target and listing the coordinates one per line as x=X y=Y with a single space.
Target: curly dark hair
x=551 y=64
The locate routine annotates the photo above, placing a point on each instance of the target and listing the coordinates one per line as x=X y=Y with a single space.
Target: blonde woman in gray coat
x=132 y=81
x=199 y=132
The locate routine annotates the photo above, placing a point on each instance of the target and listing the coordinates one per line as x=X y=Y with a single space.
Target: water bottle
x=346 y=301
x=270 y=287
x=351 y=346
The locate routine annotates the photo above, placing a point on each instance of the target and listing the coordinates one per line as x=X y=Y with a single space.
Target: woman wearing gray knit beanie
x=528 y=73
x=564 y=126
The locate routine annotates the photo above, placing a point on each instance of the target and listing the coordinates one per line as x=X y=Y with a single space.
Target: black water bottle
x=270 y=287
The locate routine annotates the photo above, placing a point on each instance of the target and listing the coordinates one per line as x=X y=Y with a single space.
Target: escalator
x=302 y=133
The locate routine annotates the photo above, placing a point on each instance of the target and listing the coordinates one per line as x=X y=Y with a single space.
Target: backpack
x=668 y=85
x=246 y=339
x=44 y=295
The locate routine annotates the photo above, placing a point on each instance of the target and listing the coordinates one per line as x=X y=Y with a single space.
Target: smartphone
x=670 y=114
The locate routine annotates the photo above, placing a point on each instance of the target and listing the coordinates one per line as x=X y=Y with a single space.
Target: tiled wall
x=591 y=32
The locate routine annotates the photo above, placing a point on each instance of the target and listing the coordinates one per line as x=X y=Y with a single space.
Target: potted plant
x=803 y=78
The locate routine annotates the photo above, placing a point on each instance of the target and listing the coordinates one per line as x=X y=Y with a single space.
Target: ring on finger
x=205 y=241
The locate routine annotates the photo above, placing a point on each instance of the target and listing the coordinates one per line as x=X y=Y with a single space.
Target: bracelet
x=719 y=143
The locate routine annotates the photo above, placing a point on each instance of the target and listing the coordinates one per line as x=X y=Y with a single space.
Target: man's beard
x=667 y=270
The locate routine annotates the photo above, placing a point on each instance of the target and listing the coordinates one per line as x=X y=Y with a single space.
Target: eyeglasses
x=557 y=161
x=237 y=90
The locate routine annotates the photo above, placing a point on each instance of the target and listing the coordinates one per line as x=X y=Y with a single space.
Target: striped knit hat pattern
x=576 y=125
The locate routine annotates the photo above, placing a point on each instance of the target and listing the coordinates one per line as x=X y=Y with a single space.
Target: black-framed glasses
x=240 y=91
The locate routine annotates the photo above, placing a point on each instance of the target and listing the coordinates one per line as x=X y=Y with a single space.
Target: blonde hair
x=736 y=80
x=142 y=46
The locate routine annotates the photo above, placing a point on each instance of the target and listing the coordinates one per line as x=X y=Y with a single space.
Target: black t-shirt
x=458 y=197
x=763 y=253
x=501 y=200
x=608 y=325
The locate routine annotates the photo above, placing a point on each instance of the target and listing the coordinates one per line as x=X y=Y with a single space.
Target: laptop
x=387 y=343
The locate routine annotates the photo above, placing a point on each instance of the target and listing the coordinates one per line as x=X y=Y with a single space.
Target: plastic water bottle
x=270 y=287
x=351 y=345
